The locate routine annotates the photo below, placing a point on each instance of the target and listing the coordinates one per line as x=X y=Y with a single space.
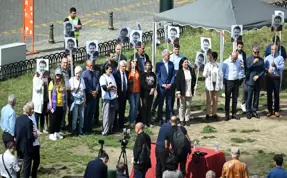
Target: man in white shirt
x=175 y=58
x=9 y=165
x=231 y=69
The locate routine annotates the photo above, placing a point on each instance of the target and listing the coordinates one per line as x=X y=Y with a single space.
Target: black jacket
x=180 y=81
x=148 y=81
x=141 y=139
x=122 y=175
x=96 y=169
x=138 y=58
x=244 y=60
x=117 y=76
x=254 y=69
x=24 y=135
x=114 y=65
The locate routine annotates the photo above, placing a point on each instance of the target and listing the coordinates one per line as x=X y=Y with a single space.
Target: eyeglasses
x=256 y=52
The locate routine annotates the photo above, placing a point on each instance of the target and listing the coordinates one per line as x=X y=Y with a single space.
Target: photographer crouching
x=141 y=150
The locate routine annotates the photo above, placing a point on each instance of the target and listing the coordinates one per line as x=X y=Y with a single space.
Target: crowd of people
x=121 y=79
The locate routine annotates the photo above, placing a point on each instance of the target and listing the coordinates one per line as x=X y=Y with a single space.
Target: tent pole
x=153 y=44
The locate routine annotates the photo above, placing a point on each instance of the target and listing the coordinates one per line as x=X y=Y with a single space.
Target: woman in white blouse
x=213 y=83
x=185 y=82
x=109 y=98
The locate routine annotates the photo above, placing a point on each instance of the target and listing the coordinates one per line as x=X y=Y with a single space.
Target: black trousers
x=7 y=137
x=273 y=86
x=27 y=162
x=36 y=160
x=120 y=121
x=182 y=162
x=56 y=119
x=161 y=156
x=231 y=87
x=253 y=94
x=97 y=107
x=146 y=110
x=40 y=118
x=156 y=102
x=173 y=97
x=63 y=123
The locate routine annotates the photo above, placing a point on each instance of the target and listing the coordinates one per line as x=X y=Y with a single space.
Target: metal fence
x=282 y=3
x=19 y=68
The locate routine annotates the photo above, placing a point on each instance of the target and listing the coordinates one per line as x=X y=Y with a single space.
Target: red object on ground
x=214 y=160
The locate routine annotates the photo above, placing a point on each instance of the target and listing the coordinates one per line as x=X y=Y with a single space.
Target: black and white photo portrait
x=136 y=38
x=92 y=49
x=68 y=29
x=124 y=35
x=205 y=44
x=277 y=22
x=173 y=35
x=199 y=61
x=139 y=26
x=236 y=33
x=42 y=68
x=70 y=44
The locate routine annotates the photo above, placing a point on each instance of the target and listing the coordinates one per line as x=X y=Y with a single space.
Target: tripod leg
x=126 y=163
x=120 y=157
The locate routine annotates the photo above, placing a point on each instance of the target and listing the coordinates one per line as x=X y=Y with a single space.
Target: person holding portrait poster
x=92 y=49
x=136 y=38
x=40 y=92
x=173 y=35
x=76 y=23
x=236 y=33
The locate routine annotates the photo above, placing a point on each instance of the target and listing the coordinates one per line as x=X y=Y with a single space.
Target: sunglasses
x=256 y=52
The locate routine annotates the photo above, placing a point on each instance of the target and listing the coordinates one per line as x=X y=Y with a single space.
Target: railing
x=282 y=3
x=19 y=68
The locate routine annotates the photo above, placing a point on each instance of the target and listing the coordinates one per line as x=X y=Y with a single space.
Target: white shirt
x=35 y=130
x=11 y=165
x=188 y=78
x=166 y=66
x=105 y=80
x=176 y=59
x=75 y=84
x=123 y=76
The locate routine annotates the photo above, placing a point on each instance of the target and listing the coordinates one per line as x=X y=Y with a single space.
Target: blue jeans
x=138 y=174
x=134 y=103
x=89 y=115
x=78 y=112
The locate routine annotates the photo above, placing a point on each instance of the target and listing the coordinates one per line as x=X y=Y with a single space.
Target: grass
x=249 y=130
x=208 y=137
x=61 y=152
x=241 y=140
x=232 y=130
x=209 y=129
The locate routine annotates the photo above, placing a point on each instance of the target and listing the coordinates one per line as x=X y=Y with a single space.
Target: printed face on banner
x=124 y=34
x=70 y=44
x=236 y=33
x=69 y=29
x=277 y=22
x=92 y=49
x=199 y=60
x=139 y=26
x=205 y=44
x=42 y=66
x=173 y=35
x=136 y=38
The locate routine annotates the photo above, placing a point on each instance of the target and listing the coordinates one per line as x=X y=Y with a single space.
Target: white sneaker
x=243 y=107
x=52 y=137
x=45 y=132
x=58 y=135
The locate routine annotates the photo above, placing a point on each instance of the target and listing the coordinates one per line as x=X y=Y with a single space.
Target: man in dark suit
x=121 y=77
x=98 y=167
x=141 y=56
x=255 y=72
x=25 y=137
x=165 y=77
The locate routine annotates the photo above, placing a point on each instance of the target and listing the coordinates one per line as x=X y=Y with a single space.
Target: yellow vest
x=76 y=32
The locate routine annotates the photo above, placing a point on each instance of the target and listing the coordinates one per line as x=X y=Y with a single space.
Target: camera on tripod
x=125 y=140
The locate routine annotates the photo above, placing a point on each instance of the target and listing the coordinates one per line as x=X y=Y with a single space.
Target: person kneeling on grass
x=9 y=166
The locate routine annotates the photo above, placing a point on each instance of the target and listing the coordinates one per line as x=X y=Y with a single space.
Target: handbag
x=5 y=166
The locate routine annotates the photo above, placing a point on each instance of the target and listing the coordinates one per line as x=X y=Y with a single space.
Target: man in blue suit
x=255 y=72
x=165 y=77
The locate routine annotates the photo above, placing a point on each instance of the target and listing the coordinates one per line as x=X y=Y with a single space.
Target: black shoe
x=235 y=117
x=207 y=117
x=160 y=123
x=74 y=133
x=227 y=118
x=255 y=115
x=249 y=116
x=215 y=117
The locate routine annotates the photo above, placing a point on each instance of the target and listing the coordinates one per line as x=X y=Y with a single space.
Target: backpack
x=179 y=142
x=144 y=157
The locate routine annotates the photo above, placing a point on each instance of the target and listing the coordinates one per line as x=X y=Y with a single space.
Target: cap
x=58 y=71
x=235 y=151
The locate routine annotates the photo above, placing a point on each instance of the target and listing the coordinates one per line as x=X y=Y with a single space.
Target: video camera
x=125 y=139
